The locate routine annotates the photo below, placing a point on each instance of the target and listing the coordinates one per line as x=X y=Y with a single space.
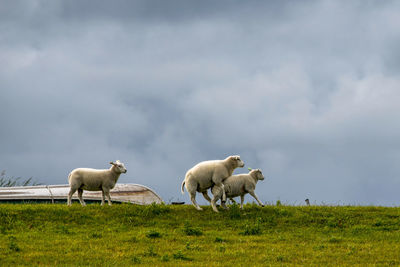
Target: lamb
x=95 y=180
x=210 y=173
x=239 y=185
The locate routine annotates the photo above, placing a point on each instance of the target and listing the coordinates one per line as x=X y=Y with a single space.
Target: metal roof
x=131 y=193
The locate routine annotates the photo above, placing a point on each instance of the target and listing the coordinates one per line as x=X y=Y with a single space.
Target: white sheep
x=95 y=180
x=239 y=185
x=208 y=173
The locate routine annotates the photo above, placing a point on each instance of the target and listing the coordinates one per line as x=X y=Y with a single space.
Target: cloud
x=307 y=92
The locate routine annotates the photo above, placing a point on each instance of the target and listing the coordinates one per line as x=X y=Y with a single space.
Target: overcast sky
x=307 y=91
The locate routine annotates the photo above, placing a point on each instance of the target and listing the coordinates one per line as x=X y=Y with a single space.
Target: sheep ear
x=112 y=163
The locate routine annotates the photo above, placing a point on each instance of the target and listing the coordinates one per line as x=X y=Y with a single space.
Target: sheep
x=239 y=185
x=95 y=180
x=208 y=173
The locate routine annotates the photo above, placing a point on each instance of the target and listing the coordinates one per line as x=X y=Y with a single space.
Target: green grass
x=163 y=235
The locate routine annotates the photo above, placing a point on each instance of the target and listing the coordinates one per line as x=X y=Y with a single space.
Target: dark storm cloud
x=306 y=91
x=168 y=11
x=156 y=11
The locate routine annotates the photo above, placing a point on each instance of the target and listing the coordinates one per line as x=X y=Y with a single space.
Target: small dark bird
x=307 y=202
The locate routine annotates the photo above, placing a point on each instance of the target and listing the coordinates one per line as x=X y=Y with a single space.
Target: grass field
x=164 y=235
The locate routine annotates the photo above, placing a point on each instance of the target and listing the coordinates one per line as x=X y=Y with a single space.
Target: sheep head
x=120 y=167
x=236 y=161
x=256 y=173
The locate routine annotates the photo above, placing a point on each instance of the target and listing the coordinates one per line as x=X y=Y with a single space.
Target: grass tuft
x=189 y=230
x=280 y=258
x=136 y=260
x=334 y=240
x=234 y=211
x=252 y=229
x=219 y=240
x=155 y=210
x=12 y=245
x=180 y=256
x=150 y=252
x=153 y=234
x=165 y=258
x=96 y=235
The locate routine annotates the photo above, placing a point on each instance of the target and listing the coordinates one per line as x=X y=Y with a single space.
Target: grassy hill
x=164 y=235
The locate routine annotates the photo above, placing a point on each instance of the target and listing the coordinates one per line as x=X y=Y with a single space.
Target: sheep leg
x=213 y=203
x=217 y=192
x=80 y=193
x=223 y=205
x=221 y=185
x=191 y=187
x=71 y=192
x=193 y=199
x=217 y=196
x=241 y=201
x=218 y=182
x=255 y=196
x=103 y=200
x=107 y=192
x=205 y=195
x=223 y=193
